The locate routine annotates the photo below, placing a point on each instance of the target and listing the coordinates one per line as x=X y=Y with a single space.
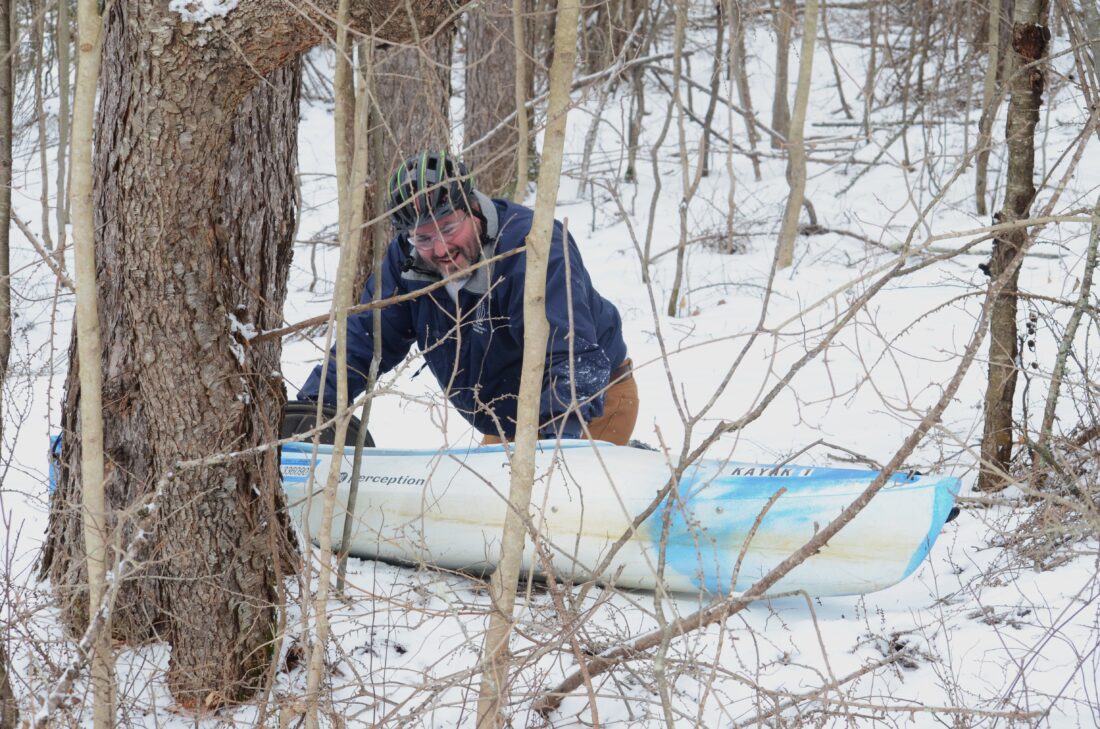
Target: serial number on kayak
x=772 y=471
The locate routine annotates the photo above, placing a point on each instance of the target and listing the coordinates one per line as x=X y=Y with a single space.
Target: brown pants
x=620 y=410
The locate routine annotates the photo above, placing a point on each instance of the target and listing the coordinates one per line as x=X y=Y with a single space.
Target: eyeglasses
x=444 y=232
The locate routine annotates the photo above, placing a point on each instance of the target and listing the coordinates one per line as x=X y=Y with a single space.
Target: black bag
x=300 y=416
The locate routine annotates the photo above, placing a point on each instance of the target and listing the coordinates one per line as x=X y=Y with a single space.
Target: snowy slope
x=974 y=638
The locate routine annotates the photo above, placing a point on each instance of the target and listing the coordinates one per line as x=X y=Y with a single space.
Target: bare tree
x=63 y=42
x=989 y=106
x=1025 y=81
x=796 y=150
x=9 y=710
x=192 y=258
x=93 y=503
x=502 y=589
x=781 y=113
x=739 y=70
x=7 y=97
x=351 y=165
x=491 y=96
x=522 y=79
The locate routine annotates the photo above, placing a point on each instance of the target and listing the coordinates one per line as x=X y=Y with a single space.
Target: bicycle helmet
x=426 y=187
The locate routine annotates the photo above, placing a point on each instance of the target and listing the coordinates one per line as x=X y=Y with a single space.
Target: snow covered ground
x=974 y=638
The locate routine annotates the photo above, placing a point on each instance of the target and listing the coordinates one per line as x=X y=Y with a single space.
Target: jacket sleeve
x=397 y=337
x=589 y=370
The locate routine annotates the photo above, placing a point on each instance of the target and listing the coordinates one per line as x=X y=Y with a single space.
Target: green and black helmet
x=427 y=187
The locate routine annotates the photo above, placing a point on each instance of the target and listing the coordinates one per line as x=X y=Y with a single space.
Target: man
x=471 y=329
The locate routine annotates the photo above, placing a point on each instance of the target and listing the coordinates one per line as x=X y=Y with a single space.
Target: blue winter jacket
x=477 y=360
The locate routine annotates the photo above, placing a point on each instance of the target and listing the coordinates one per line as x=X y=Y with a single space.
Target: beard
x=459 y=256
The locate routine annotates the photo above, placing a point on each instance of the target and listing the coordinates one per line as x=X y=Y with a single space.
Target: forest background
x=838 y=232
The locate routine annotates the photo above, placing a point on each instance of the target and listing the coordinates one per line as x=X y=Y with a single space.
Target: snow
x=200 y=11
x=974 y=638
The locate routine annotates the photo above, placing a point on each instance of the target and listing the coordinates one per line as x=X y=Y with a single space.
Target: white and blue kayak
x=446 y=508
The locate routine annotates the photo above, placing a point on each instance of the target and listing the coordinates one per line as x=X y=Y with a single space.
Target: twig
x=45 y=255
x=1069 y=334
x=732 y=605
x=126 y=567
x=382 y=303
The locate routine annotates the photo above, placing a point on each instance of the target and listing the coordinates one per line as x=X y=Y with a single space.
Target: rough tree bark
x=194 y=207
x=491 y=96
x=413 y=94
x=1025 y=79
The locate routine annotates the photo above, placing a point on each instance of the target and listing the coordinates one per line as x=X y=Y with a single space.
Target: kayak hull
x=446 y=509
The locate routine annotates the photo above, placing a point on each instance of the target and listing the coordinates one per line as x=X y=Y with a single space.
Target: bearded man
x=470 y=330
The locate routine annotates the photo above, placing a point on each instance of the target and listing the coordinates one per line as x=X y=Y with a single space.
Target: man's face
x=449 y=244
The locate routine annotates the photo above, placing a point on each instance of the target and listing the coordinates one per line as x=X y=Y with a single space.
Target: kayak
x=446 y=508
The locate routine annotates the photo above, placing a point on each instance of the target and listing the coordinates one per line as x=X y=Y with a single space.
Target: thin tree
x=9 y=710
x=495 y=656
x=1025 y=82
x=521 y=83
x=989 y=107
x=781 y=113
x=796 y=149
x=689 y=182
x=62 y=41
x=89 y=348
x=194 y=209
x=1091 y=15
x=1066 y=344
x=739 y=70
x=7 y=98
x=351 y=165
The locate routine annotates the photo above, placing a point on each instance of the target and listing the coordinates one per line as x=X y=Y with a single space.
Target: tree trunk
x=9 y=710
x=495 y=655
x=796 y=151
x=1028 y=43
x=989 y=107
x=521 y=78
x=7 y=97
x=781 y=113
x=738 y=59
x=491 y=96
x=414 y=92
x=64 y=40
x=1091 y=20
x=195 y=155
x=88 y=375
